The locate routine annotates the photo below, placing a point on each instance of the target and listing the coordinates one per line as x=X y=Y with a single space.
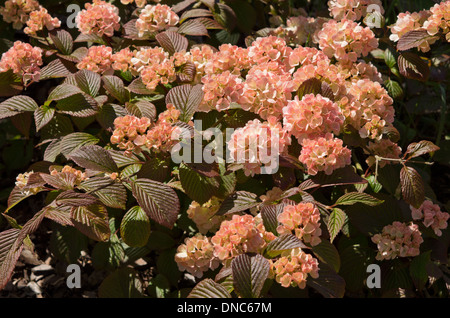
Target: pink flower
x=431 y=216
x=240 y=235
x=24 y=60
x=155 y=18
x=139 y=3
x=398 y=240
x=40 y=20
x=230 y=58
x=439 y=21
x=98 y=59
x=204 y=216
x=196 y=255
x=267 y=88
x=17 y=11
x=258 y=144
x=324 y=154
x=122 y=60
x=302 y=220
x=99 y=18
x=22 y=184
x=269 y=49
x=160 y=138
x=220 y=91
x=351 y=9
x=299 y=30
x=78 y=175
x=293 y=268
x=312 y=116
x=346 y=40
x=129 y=133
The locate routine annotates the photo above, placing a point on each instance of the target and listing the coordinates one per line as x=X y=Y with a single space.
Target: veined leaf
x=94 y=158
x=110 y=193
x=172 y=41
x=238 y=202
x=336 y=222
x=329 y=284
x=186 y=99
x=413 y=39
x=357 y=197
x=16 y=105
x=114 y=86
x=135 y=227
x=42 y=116
x=413 y=187
x=193 y=27
x=208 y=288
x=92 y=221
x=328 y=254
x=123 y=283
x=420 y=148
x=283 y=243
x=158 y=200
x=249 y=274
x=62 y=40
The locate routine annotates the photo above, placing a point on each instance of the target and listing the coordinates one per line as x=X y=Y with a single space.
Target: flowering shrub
x=237 y=148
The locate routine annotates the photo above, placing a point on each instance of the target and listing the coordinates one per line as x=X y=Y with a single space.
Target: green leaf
x=328 y=284
x=158 y=200
x=418 y=269
x=357 y=197
x=16 y=105
x=283 y=243
x=198 y=187
x=208 y=288
x=389 y=58
x=123 y=283
x=135 y=227
x=42 y=116
x=394 y=89
x=413 y=187
x=89 y=82
x=94 y=158
x=336 y=222
x=108 y=113
x=67 y=243
x=328 y=254
x=249 y=274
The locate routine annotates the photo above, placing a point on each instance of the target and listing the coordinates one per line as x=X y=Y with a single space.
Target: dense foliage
x=245 y=148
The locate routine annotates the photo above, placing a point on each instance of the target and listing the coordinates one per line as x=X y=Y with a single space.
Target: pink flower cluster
x=398 y=240
x=241 y=234
x=40 y=20
x=24 y=60
x=139 y=3
x=346 y=40
x=196 y=255
x=121 y=61
x=99 y=18
x=324 y=154
x=303 y=220
x=98 y=59
x=293 y=268
x=22 y=184
x=257 y=144
x=439 y=21
x=312 y=116
x=299 y=30
x=352 y=9
x=79 y=176
x=368 y=109
x=230 y=58
x=407 y=22
x=155 y=18
x=17 y=11
x=132 y=133
x=431 y=216
x=204 y=216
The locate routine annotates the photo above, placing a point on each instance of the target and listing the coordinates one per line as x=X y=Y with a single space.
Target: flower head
x=431 y=216
x=98 y=59
x=155 y=18
x=40 y=20
x=17 y=11
x=99 y=18
x=398 y=240
x=24 y=60
x=352 y=9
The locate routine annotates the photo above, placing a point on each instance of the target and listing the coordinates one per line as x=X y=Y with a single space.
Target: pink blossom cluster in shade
x=302 y=220
x=196 y=255
x=293 y=268
x=99 y=18
x=24 y=60
x=431 y=216
x=242 y=234
x=346 y=40
x=155 y=18
x=398 y=240
x=22 y=184
x=17 y=11
x=299 y=30
x=78 y=175
x=352 y=9
x=439 y=20
x=384 y=148
x=204 y=216
x=99 y=59
x=312 y=116
x=40 y=20
x=324 y=154
x=257 y=143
